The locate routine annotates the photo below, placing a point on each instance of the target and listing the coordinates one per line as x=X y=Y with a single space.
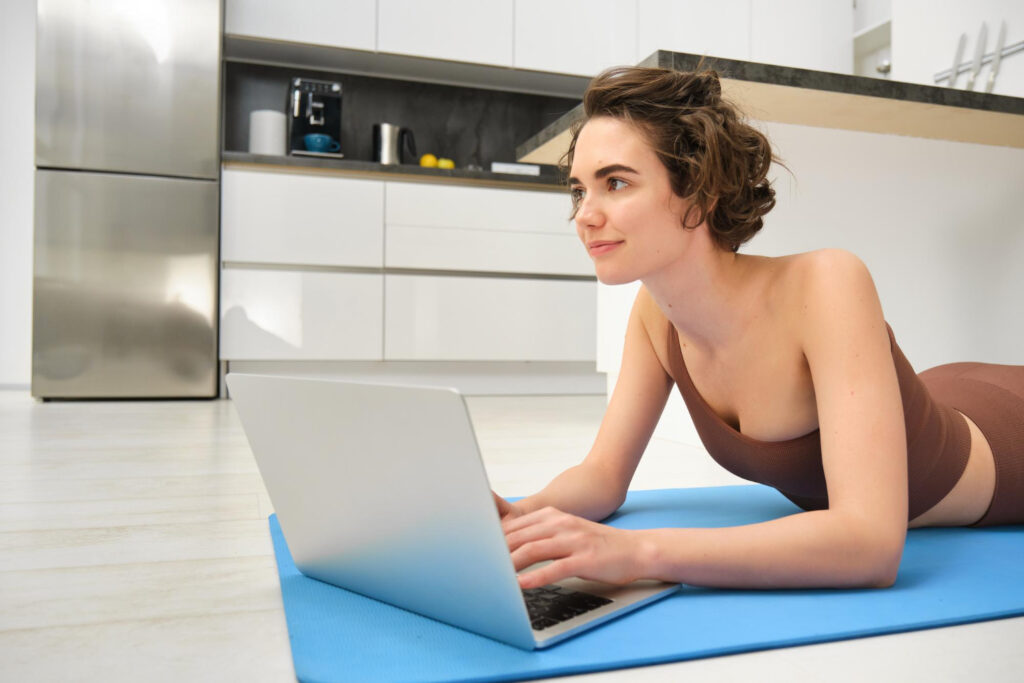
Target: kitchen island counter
x=767 y=92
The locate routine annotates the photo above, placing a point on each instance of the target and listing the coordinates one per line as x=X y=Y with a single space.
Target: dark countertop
x=816 y=98
x=548 y=180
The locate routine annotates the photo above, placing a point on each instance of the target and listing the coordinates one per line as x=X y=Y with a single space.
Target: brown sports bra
x=938 y=442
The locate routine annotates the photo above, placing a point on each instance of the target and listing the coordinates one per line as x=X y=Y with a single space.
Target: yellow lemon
x=429 y=161
x=445 y=163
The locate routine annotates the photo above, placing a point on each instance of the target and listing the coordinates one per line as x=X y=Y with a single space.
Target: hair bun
x=700 y=88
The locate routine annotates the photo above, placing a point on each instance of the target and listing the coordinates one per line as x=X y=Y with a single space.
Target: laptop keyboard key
x=550 y=605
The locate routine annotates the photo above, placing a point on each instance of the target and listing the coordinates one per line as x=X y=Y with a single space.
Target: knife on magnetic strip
x=979 y=53
x=955 y=71
x=997 y=57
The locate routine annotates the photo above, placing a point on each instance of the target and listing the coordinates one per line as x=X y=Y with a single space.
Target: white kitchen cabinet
x=336 y=23
x=485 y=251
x=481 y=229
x=300 y=315
x=483 y=319
x=458 y=30
x=575 y=36
x=808 y=34
x=296 y=218
x=868 y=13
x=718 y=29
x=450 y=206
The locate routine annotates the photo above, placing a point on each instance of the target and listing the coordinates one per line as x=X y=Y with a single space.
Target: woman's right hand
x=506 y=510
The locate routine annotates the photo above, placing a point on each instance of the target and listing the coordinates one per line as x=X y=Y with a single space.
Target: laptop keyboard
x=550 y=605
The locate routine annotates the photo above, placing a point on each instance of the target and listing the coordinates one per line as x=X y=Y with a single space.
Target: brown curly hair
x=714 y=158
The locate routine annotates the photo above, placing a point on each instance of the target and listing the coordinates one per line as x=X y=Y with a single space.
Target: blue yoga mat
x=948 y=576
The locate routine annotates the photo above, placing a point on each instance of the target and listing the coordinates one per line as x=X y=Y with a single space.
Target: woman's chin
x=607 y=276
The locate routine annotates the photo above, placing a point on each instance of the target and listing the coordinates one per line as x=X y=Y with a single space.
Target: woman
x=787 y=366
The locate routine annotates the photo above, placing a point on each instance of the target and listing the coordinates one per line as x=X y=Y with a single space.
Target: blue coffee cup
x=319 y=142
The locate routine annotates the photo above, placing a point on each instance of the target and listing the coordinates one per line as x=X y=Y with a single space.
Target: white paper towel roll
x=267 y=131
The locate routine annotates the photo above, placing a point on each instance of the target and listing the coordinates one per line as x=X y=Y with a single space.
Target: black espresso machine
x=314 y=118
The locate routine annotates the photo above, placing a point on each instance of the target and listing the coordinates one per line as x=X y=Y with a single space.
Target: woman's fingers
x=504 y=507
x=573 y=547
x=549 y=573
x=539 y=551
x=523 y=521
x=534 y=526
x=506 y=510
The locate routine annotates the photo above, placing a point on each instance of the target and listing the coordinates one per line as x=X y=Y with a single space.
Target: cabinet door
x=476 y=229
x=575 y=36
x=485 y=251
x=465 y=318
x=300 y=315
x=447 y=206
x=719 y=29
x=459 y=30
x=808 y=34
x=338 y=23
x=294 y=218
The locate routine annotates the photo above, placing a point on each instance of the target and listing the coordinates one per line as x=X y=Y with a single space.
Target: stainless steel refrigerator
x=126 y=198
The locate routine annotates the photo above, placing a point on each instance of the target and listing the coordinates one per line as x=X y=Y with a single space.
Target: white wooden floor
x=134 y=546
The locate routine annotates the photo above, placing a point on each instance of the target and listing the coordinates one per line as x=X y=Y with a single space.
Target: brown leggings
x=993 y=397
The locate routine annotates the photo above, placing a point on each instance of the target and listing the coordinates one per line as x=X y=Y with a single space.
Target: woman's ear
x=690 y=216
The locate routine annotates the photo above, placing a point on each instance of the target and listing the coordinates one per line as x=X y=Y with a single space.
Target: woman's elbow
x=883 y=577
x=882 y=562
x=874 y=554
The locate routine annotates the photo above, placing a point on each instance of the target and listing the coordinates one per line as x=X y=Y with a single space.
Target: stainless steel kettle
x=390 y=143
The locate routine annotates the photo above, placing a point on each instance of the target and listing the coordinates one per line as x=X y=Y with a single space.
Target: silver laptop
x=380 y=489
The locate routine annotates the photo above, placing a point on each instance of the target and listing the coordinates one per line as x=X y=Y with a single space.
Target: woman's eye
x=616 y=184
x=576 y=196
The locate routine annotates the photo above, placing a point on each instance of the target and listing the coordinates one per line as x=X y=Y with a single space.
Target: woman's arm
x=858 y=541
x=597 y=486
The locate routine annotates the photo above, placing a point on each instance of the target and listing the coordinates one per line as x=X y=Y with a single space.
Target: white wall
x=17 y=125
x=925 y=34
x=938 y=223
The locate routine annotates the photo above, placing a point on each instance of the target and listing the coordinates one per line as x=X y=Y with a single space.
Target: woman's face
x=627 y=215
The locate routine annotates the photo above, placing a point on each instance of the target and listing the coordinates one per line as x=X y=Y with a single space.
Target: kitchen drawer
x=485 y=250
x=351 y=23
x=437 y=206
x=300 y=315
x=467 y=318
x=296 y=218
x=458 y=30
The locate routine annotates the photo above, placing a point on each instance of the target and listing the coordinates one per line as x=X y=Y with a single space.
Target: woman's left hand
x=575 y=546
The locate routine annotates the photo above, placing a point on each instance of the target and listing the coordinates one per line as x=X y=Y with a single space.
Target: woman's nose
x=588 y=213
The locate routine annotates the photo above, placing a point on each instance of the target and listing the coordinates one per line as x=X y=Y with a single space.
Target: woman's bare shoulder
x=819 y=261
x=822 y=272
x=805 y=285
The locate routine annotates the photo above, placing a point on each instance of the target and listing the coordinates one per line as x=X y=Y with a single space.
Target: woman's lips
x=601 y=247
